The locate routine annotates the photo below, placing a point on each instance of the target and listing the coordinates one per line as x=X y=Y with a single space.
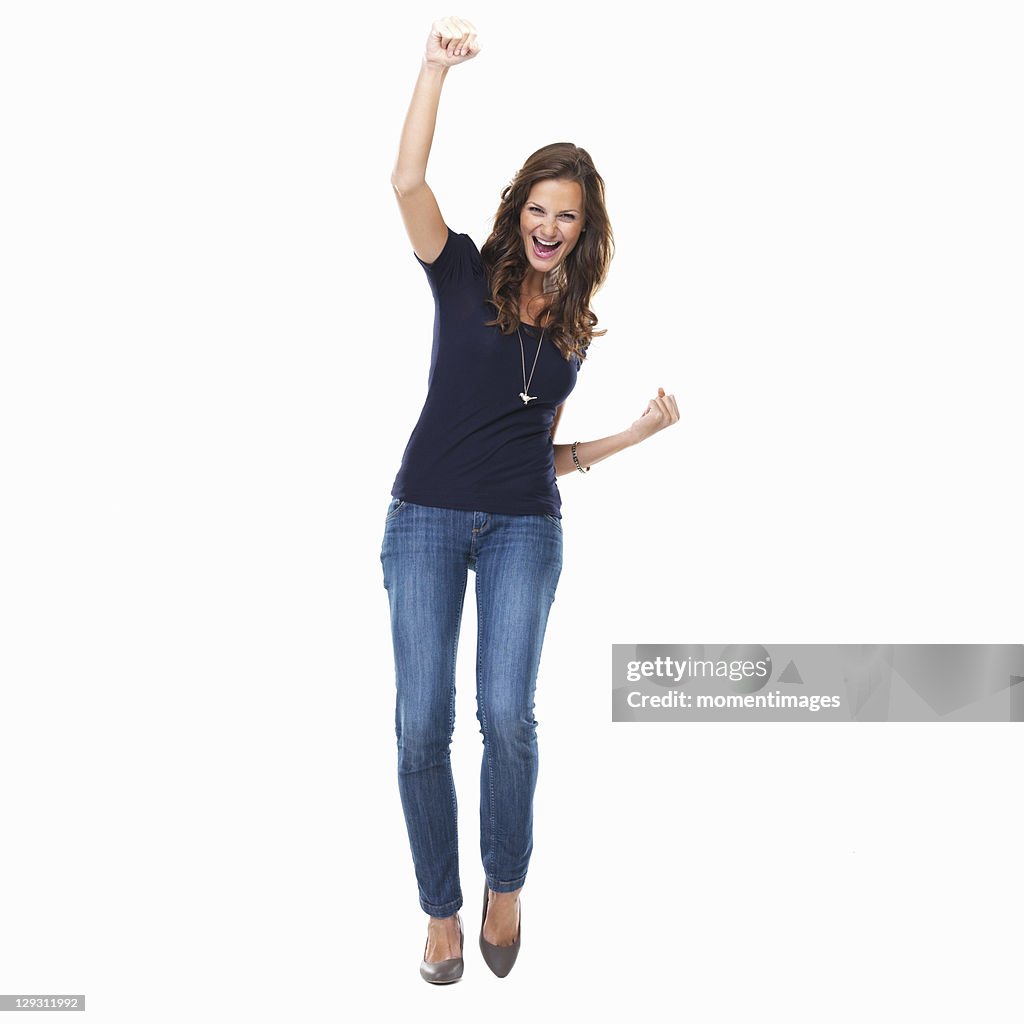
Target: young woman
x=476 y=490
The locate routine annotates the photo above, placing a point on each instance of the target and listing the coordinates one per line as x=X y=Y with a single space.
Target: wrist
x=434 y=67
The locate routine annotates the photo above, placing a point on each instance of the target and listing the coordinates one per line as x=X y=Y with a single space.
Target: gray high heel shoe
x=499 y=958
x=444 y=971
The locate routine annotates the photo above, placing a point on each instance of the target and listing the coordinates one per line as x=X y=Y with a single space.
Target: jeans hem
x=505 y=886
x=441 y=909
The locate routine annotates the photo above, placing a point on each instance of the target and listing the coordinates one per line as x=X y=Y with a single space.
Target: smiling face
x=553 y=213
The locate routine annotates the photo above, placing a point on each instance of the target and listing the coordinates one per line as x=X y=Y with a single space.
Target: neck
x=532 y=301
x=533 y=282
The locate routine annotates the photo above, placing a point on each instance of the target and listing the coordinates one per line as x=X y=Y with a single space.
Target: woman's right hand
x=451 y=41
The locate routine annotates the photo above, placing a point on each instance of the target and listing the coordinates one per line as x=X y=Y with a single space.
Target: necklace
x=524 y=394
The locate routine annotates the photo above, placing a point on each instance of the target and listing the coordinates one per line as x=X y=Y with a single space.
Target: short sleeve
x=456 y=263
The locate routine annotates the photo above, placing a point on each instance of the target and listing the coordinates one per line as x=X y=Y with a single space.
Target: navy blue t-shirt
x=476 y=446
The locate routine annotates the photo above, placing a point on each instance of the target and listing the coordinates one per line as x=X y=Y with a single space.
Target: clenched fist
x=451 y=41
x=661 y=412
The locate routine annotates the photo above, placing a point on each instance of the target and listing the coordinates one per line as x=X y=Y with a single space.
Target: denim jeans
x=426 y=555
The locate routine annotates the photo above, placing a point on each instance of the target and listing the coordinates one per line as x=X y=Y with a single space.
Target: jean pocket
x=396 y=505
x=553 y=519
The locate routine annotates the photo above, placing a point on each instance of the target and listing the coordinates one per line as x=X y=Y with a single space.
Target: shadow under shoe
x=500 y=959
x=444 y=971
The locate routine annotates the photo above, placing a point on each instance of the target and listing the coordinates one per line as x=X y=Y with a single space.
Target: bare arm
x=589 y=452
x=661 y=412
x=451 y=41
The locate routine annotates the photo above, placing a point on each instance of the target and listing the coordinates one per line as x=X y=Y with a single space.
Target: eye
x=537 y=209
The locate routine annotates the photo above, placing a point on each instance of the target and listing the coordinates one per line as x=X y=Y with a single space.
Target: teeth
x=539 y=239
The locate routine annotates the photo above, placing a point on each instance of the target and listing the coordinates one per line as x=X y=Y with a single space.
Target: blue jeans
x=426 y=555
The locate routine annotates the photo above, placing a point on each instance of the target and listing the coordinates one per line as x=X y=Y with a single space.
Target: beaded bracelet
x=576 y=460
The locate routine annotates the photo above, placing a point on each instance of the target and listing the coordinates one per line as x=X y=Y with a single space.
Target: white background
x=215 y=345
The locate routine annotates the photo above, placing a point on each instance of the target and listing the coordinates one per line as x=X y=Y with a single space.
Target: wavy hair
x=576 y=278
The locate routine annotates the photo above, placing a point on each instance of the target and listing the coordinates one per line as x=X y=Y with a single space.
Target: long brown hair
x=578 y=276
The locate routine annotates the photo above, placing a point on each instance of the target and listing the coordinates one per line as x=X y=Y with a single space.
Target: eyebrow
x=533 y=202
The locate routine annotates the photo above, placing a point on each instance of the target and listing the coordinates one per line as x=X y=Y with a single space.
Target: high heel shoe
x=499 y=958
x=444 y=971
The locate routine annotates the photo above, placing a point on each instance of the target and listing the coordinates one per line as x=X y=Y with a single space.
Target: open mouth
x=544 y=252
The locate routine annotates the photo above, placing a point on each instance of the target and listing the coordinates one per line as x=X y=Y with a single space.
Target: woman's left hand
x=661 y=412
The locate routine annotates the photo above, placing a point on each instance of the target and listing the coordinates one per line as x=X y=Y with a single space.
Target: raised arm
x=451 y=41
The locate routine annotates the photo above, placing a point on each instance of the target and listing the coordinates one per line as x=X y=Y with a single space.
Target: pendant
x=527 y=399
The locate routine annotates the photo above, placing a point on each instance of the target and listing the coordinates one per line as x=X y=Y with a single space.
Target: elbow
x=403 y=185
